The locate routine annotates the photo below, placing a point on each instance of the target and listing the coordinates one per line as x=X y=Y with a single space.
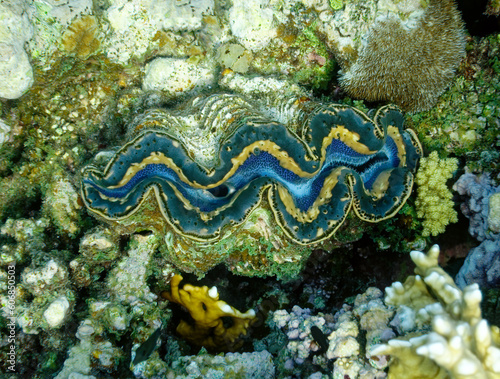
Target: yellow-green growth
x=336 y=4
x=434 y=202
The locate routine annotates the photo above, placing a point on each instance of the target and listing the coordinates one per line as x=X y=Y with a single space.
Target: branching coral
x=434 y=202
x=460 y=344
x=207 y=312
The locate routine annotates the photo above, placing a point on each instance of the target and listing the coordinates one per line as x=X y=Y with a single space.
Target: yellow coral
x=207 y=311
x=434 y=202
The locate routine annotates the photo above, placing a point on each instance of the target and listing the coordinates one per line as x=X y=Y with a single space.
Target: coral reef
x=208 y=311
x=460 y=344
x=339 y=340
x=434 y=200
x=124 y=303
x=477 y=207
x=51 y=20
x=252 y=23
x=297 y=325
x=65 y=115
x=296 y=52
x=135 y=24
x=494 y=213
x=482 y=266
x=176 y=75
x=368 y=317
x=4 y=132
x=62 y=206
x=493 y=8
x=234 y=56
x=80 y=296
x=90 y=350
x=29 y=238
x=127 y=281
x=98 y=251
x=481 y=207
x=53 y=297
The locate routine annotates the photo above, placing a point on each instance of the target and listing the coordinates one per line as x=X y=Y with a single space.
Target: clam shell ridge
x=311 y=169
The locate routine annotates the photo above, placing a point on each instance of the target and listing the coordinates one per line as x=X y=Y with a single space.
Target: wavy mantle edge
x=349 y=179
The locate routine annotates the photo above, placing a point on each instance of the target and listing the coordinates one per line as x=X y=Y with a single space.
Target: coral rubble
x=254 y=365
x=16 y=73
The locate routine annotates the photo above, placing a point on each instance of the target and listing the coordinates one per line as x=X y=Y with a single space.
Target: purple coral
x=482 y=265
x=478 y=190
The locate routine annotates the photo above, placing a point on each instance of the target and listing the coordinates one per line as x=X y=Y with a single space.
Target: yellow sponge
x=207 y=311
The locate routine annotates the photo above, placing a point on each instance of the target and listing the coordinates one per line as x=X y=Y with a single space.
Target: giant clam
x=197 y=173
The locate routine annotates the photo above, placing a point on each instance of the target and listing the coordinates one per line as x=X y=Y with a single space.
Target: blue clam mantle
x=338 y=159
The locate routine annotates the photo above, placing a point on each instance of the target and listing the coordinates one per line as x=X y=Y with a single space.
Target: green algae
x=336 y=4
x=317 y=70
x=399 y=233
x=464 y=122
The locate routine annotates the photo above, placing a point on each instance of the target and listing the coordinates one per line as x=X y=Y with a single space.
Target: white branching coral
x=452 y=340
